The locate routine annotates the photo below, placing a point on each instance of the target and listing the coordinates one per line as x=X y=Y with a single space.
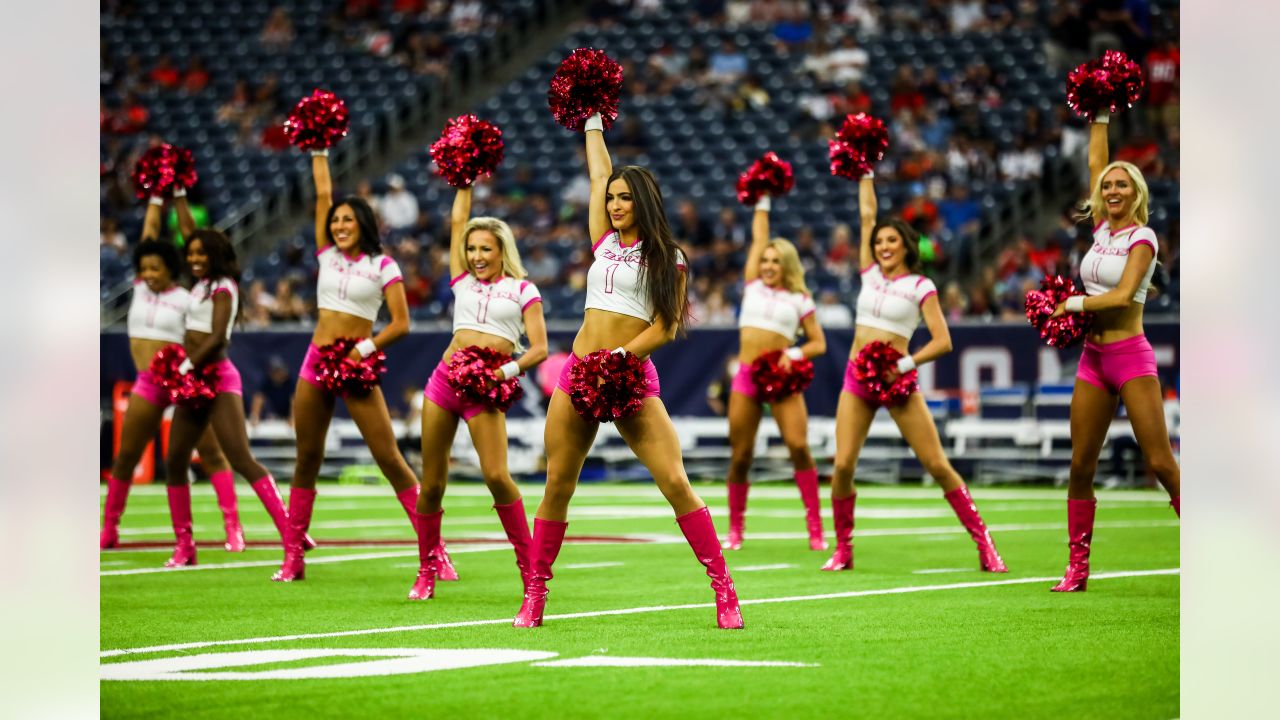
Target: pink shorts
x=652 y=387
x=308 y=370
x=742 y=382
x=440 y=392
x=853 y=386
x=1112 y=365
x=227 y=378
x=148 y=389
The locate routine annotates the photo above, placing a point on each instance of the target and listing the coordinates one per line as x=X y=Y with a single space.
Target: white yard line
x=761 y=568
x=629 y=611
x=311 y=560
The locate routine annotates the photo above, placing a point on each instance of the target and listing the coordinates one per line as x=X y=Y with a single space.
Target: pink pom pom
x=318 y=121
x=606 y=386
x=344 y=377
x=774 y=383
x=472 y=373
x=468 y=148
x=874 y=361
x=1062 y=331
x=770 y=175
x=860 y=143
x=587 y=82
x=1112 y=83
x=162 y=169
x=193 y=390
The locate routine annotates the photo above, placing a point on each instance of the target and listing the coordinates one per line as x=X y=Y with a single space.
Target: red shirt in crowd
x=1162 y=75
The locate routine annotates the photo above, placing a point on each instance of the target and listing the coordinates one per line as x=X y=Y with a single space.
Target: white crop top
x=892 y=305
x=496 y=307
x=1103 y=265
x=354 y=287
x=200 y=311
x=158 y=316
x=775 y=309
x=613 y=281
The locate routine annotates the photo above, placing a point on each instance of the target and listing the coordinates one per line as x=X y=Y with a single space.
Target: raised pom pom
x=587 y=82
x=774 y=383
x=472 y=373
x=874 y=361
x=468 y=148
x=606 y=386
x=859 y=144
x=193 y=390
x=1112 y=82
x=344 y=377
x=1062 y=331
x=770 y=175
x=162 y=169
x=318 y=121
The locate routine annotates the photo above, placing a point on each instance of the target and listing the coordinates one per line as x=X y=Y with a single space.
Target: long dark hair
x=370 y=242
x=222 y=260
x=910 y=240
x=167 y=253
x=659 y=253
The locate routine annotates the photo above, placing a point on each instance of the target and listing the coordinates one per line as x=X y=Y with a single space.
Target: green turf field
x=915 y=631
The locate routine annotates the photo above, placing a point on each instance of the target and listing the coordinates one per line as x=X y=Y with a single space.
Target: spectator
x=728 y=64
x=111 y=237
x=953 y=303
x=832 y=313
x=904 y=95
x=274 y=400
x=258 y=304
x=417 y=289
x=817 y=61
x=277 y=34
x=1021 y=162
x=960 y=213
x=966 y=15
x=542 y=267
x=750 y=95
x=848 y=62
x=466 y=17
x=273 y=137
x=196 y=78
x=690 y=229
x=237 y=107
x=398 y=206
x=854 y=100
x=1067 y=44
x=728 y=228
x=165 y=74
x=1142 y=150
x=1162 y=70
x=286 y=305
x=426 y=54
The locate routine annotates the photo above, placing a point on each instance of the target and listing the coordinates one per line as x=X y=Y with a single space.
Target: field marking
x=655 y=539
x=761 y=568
x=596 y=661
x=937 y=571
x=631 y=611
x=592 y=566
x=399 y=661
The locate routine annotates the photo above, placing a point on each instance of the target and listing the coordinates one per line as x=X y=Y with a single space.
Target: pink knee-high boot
x=224 y=486
x=301 y=502
x=409 y=501
x=842 y=518
x=1080 y=515
x=1177 y=510
x=701 y=534
x=548 y=536
x=269 y=494
x=807 y=481
x=962 y=503
x=516 y=524
x=117 y=496
x=184 y=550
x=428 y=527
x=737 y=513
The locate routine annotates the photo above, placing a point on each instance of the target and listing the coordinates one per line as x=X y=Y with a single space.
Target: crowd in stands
x=940 y=146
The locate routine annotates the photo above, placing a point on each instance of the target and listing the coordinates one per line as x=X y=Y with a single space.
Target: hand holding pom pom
x=318 y=121
x=859 y=144
x=341 y=376
x=1111 y=83
x=607 y=386
x=1058 y=330
x=775 y=379
x=876 y=367
x=163 y=169
x=468 y=148
x=587 y=82
x=472 y=373
x=770 y=175
x=193 y=389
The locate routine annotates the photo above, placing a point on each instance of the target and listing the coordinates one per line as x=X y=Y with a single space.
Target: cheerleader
x=355 y=276
x=214 y=302
x=775 y=304
x=636 y=303
x=1118 y=364
x=157 y=317
x=493 y=306
x=893 y=298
